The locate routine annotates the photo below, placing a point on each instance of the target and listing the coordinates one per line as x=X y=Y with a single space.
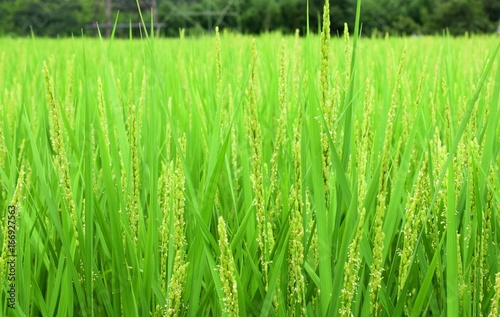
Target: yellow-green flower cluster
x=178 y=279
x=439 y=155
x=227 y=272
x=325 y=94
x=347 y=54
x=70 y=110
x=165 y=189
x=351 y=270
x=415 y=215
x=296 y=283
x=256 y=177
x=378 y=248
x=379 y=236
x=102 y=111
x=495 y=301
x=482 y=243
x=133 y=199
x=60 y=158
x=280 y=138
x=218 y=65
x=325 y=56
x=234 y=141
x=123 y=180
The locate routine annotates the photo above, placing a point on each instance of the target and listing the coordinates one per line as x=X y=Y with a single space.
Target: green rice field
x=225 y=175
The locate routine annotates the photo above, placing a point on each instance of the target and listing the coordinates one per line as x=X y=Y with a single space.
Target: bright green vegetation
x=221 y=176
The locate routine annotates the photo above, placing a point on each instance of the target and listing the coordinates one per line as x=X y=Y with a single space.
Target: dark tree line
x=66 y=17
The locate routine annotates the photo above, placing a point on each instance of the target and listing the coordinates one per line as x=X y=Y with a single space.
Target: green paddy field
x=227 y=175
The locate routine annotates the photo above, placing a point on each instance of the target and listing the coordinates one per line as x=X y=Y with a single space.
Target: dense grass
x=220 y=176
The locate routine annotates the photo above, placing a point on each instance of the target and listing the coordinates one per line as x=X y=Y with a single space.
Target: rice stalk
x=280 y=137
x=254 y=131
x=347 y=54
x=178 y=279
x=296 y=283
x=234 y=142
x=495 y=300
x=325 y=93
x=414 y=216
x=351 y=268
x=133 y=195
x=218 y=65
x=60 y=159
x=166 y=189
x=68 y=103
x=102 y=111
x=227 y=272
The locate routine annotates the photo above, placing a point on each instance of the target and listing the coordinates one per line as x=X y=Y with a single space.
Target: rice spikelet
x=296 y=282
x=351 y=270
x=227 y=272
x=134 y=199
x=178 y=279
x=256 y=177
x=325 y=93
x=415 y=214
x=495 y=301
x=60 y=158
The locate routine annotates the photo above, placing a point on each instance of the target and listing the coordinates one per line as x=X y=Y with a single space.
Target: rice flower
x=178 y=279
x=234 y=141
x=378 y=248
x=134 y=197
x=347 y=54
x=495 y=300
x=101 y=106
x=227 y=272
x=296 y=282
x=218 y=65
x=280 y=138
x=68 y=103
x=351 y=269
x=415 y=214
x=60 y=158
x=256 y=177
x=325 y=91
x=165 y=189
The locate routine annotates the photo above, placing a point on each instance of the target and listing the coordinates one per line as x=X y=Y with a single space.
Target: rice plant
x=233 y=176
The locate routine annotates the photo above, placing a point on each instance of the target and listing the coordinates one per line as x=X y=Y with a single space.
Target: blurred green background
x=398 y=17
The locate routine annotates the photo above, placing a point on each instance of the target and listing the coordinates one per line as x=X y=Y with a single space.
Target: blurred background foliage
x=399 y=17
